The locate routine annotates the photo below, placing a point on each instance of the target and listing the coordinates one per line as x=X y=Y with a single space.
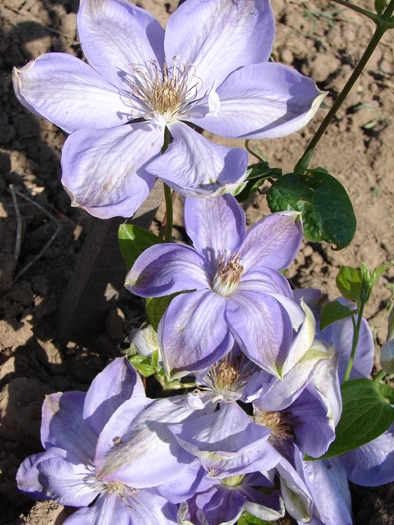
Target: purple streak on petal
x=164 y=269
x=261 y=327
x=272 y=242
x=263 y=101
x=104 y=170
x=67 y=480
x=117 y=36
x=193 y=332
x=63 y=425
x=194 y=166
x=265 y=280
x=219 y=37
x=183 y=488
x=117 y=383
x=137 y=449
x=372 y=464
x=68 y=92
x=216 y=226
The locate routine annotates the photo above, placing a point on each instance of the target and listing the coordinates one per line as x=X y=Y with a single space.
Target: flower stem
x=379 y=32
x=169 y=216
x=379 y=376
x=356 y=335
x=360 y=10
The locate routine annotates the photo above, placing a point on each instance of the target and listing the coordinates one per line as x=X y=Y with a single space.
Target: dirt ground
x=319 y=38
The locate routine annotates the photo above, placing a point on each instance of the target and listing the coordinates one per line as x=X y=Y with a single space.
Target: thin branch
x=18 y=217
x=53 y=237
x=371 y=16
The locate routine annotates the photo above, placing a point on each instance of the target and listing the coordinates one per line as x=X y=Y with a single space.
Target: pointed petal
x=104 y=170
x=295 y=493
x=227 y=235
x=144 y=453
x=193 y=332
x=372 y=464
x=117 y=36
x=219 y=37
x=69 y=93
x=193 y=166
x=63 y=425
x=263 y=101
x=227 y=442
x=272 y=242
x=261 y=327
x=167 y=268
x=286 y=391
x=112 y=387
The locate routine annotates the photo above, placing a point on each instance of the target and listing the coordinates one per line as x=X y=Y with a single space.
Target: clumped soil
x=320 y=39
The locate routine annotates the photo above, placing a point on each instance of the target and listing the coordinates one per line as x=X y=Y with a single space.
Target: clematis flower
x=69 y=472
x=209 y=69
x=238 y=293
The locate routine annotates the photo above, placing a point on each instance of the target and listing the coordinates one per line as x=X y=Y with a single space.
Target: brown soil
x=319 y=38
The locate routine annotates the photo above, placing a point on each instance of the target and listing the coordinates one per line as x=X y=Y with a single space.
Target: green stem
x=379 y=376
x=167 y=195
x=356 y=335
x=360 y=10
x=379 y=32
x=169 y=212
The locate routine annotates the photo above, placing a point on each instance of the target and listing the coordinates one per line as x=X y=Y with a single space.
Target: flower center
x=281 y=423
x=228 y=275
x=163 y=96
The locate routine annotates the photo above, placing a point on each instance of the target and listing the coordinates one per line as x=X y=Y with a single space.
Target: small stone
x=22 y=293
x=286 y=56
x=40 y=284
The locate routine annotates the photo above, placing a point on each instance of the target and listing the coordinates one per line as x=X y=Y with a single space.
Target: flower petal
x=219 y=37
x=372 y=464
x=63 y=425
x=117 y=36
x=67 y=480
x=262 y=101
x=261 y=327
x=137 y=449
x=194 y=167
x=193 y=332
x=229 y=232
x=69 y=93
x=104 y=170
x=167 y=268
x=272 y=242
x=117 y=383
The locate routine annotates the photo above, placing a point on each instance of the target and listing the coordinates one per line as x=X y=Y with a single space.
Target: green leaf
x=142 y=364
x=327 y=211
x=334 y=311
x=249 y=519
x=366 y=415
x=350 y=283
x=156 y=306
x=133 y=240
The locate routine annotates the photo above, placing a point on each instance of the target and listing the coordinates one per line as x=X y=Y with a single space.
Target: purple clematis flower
x=237 y=293
x=209 y=69
x=69 y=469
